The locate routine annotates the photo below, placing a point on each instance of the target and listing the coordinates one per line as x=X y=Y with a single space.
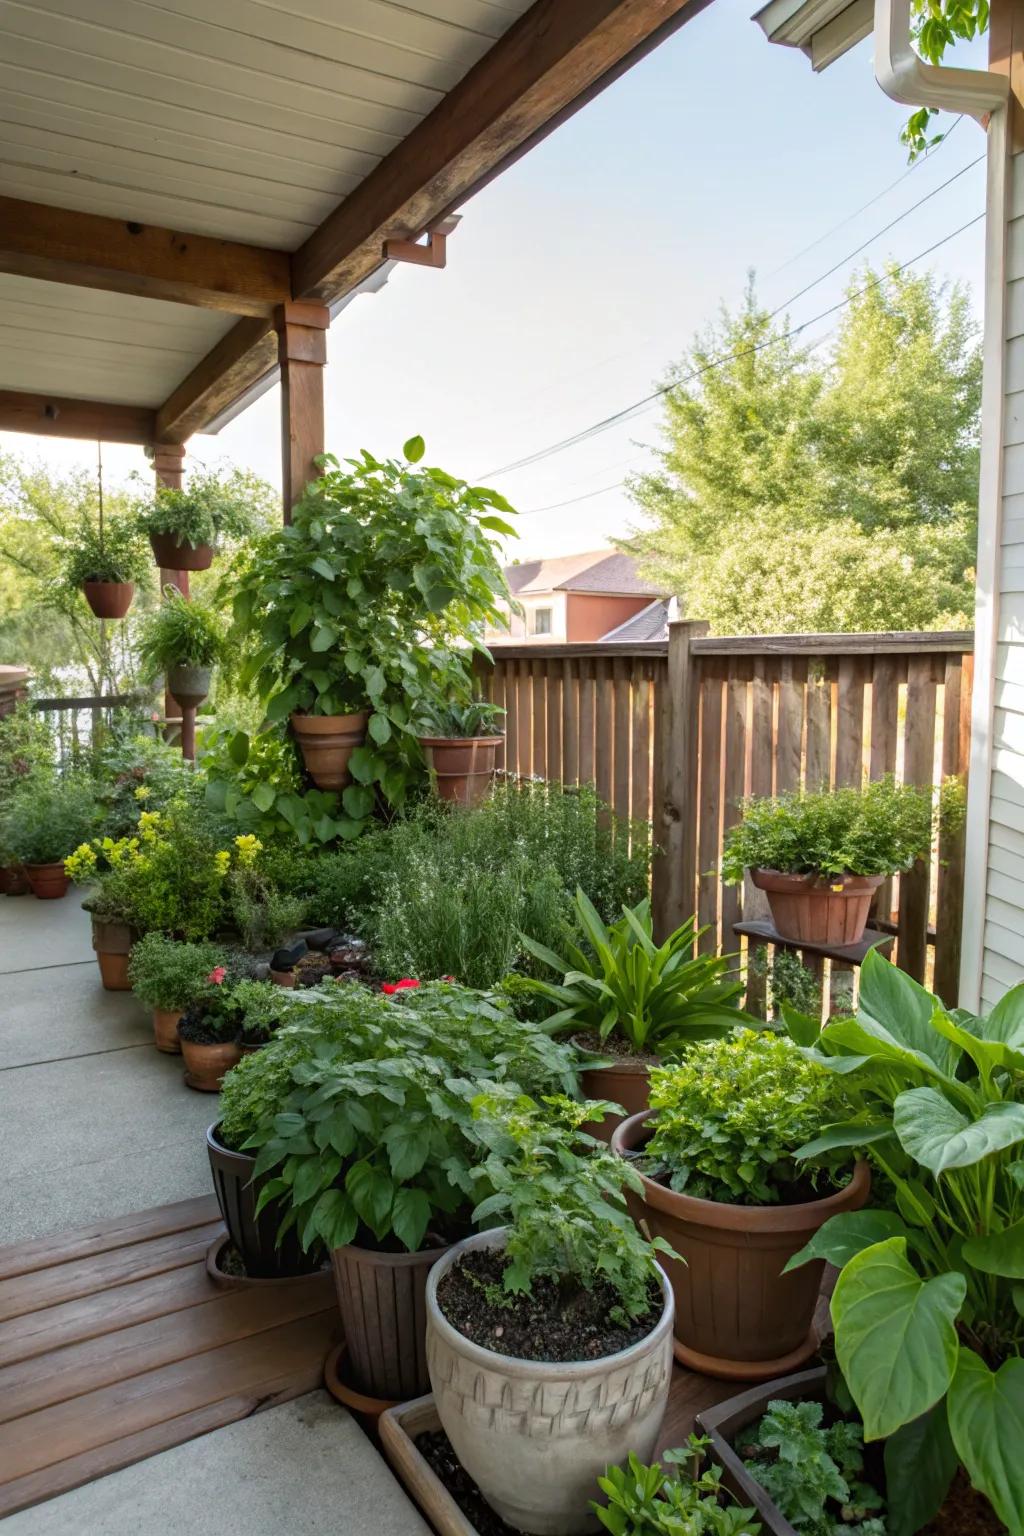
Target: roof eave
x=822 y=29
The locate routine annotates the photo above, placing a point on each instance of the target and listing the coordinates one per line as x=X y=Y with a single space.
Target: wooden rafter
x=554 y=58
x=50 y=416
x=90 y=251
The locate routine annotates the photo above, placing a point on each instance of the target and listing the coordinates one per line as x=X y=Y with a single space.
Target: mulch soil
x=551 y=1324
x=964 y=1513
x=436 y=1450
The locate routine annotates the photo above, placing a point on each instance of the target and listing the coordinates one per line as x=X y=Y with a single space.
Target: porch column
x=302 y=352
x=168 y=467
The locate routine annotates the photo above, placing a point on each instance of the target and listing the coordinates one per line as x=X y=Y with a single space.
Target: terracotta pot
x=13 y=880
x=627 y=1083
x=283 y=978
x=535 y=1435
x=165 y=1030
x=205 y=1065
x=326 y=743
x=383 y=1308
x=737 y=1315
x=462 y=768
x=113 y=943
x=815 y=910
x=48 y=881
x=188 y=686
x=109 y=599
x=254 y=1236
x=170 y=555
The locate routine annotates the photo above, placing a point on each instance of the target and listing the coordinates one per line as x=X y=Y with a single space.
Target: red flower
x=217 y=975
x=391 y=987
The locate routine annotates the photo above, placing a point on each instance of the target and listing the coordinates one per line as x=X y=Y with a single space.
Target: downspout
x=983 y=95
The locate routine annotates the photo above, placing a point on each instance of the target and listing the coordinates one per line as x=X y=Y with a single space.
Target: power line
x=760 y=346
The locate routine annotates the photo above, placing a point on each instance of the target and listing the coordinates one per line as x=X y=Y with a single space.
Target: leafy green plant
x=875 y=831
x=115 y=553
x=179 y=633
x=928 y=1315
x=165 y=973
x=813 y=1472
x=135 y=772
x=254 y=1091
x=687 y=1500
x=789 y=982
x=263 y=1008
x=731 y=1116
x=362 y=602
x=461 y=720
x=26 y=748
x=44 y=819
x=256 y=782
x=208 y=506
x=657 y=998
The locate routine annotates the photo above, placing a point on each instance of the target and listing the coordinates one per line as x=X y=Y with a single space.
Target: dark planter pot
x=48 y=881
x=462 y=768
x=188 y=686
x=382 y=1298
x=737 y=1315
x=815 y=910
x=113 y=944
x=254 y=1236
x=327 y=743
x=627 y=1083
x=170 y=555
x=109 y=599
x=13 y=880
x=206 y=1065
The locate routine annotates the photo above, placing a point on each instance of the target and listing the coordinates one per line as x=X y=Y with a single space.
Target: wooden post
x=302 y=352
x=675 y=814
x=168 y=466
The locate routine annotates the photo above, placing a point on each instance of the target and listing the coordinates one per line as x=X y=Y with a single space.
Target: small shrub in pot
x=42 y=824
x=460 y=740
x=168 y=976
x=210 y=1032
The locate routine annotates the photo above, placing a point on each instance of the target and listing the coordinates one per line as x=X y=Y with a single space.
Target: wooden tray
x=399 y=1428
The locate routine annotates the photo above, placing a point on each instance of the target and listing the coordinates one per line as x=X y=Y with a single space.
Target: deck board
x=115 y=1344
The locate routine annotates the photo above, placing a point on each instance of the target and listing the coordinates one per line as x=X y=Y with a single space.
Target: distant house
x=596 y=596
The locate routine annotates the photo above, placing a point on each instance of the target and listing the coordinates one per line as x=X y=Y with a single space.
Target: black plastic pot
x=254 y=1236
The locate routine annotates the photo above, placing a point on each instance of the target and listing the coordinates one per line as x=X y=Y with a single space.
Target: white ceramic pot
x=535 y=1435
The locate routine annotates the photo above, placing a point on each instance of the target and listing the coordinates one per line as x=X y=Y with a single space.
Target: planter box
x=399 y=1430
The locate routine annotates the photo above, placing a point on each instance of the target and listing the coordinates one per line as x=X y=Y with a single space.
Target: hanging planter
x=105 y=558
x=184 y=524
x=182 y=640
x=187 y=685
x=109 y=599
x=174 y=554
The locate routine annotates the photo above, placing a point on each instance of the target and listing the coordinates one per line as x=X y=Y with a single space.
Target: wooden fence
x=678 y=732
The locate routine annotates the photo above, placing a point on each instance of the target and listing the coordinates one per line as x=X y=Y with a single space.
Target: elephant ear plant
x=929 y=1307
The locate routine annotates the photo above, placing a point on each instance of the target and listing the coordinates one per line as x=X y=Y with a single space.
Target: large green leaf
x=866 y=1038
x=844 y=1236
x=986 y=1420
x=920 y=1462
x=935 y=1132
x=904 y=1009
x=411 y=1216
x=896 y=1338
x=849 y=1133
x=1006 y=1021
x=372 y=1193
x=1000 y=1253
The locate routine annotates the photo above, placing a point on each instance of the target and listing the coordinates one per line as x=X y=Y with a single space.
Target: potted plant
x=820 y=858
x=383 y=1181
x=42 y=823
x=184 y=525
x=26 y=752
x=182 y=640
x=549 y=1339
x=383 y=566
x=687 y=1498
x=105 y=561
x=717 y=1159
x=626 y=998
x=928 y=1323
x=109 y=902
x=168 y=976
x=210 y=1032
x=460 y=742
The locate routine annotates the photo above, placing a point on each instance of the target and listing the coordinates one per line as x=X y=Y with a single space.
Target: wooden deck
x=115 y=1344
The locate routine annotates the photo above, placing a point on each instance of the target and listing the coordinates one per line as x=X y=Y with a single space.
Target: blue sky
x=575 y=278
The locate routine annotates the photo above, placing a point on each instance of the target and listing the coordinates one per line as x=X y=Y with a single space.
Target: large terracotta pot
x=206 y=1065
x=327 y=743
x=109 y=599
x=170 y=555
x=737 y=1315
x=382 y=1297
x=816 y=910
x=254 y=1236
x=13 y=880
x=461 y=767
x=187 y=685
x=165 y=1030
x=48 y=881
x=113 y=944
x=627 y=1082
x=535 y=1435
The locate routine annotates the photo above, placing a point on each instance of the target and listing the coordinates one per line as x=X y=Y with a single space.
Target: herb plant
x=617 y=981
x=875 y=831
x=929 y=1325
x=686 y=1500
x=814 y=1473
x=179 y=634
x=210 y=505
x=45 y=818
x=461 y=720
x=167 y=974
x=116 y=554
x=732 y=1115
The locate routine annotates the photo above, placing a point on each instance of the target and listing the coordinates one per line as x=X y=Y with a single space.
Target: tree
x=797 y=494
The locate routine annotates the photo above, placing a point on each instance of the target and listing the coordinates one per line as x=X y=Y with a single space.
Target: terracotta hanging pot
x=165 y=1030
x=109 y=599
x=206 y=1065
x=737 y=1315
x=187 y=685
x=171 y=555
x=462 y=768
x=818 y=909
x=113 y=945
x=48 y=881
x=327 y=743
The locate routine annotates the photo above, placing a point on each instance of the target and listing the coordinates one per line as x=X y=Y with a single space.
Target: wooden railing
x=80 y=725
x=678 y=733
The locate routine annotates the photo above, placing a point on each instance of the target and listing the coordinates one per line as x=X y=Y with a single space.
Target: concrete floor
x=95 y=1121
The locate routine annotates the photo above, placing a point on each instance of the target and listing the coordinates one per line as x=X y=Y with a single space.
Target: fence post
x=674 y=871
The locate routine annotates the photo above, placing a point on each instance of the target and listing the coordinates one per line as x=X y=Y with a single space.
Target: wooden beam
x=1006 y=57
x=50 y=416
x=302 y=352
x=90 y=251
x=551 y=61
